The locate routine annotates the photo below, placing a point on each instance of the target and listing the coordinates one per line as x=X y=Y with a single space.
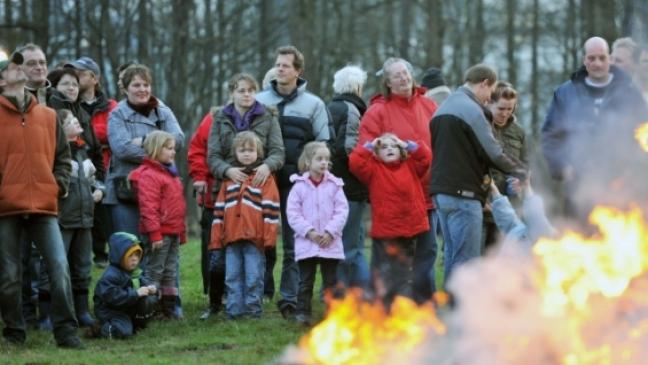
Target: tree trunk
x=535 y=98
x=511 y=46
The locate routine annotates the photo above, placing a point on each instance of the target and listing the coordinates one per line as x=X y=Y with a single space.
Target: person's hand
x=401 y=143
x=137 y=141
x=143 y=291
x=236 y=174
x=326 y=241
x=261 y=175
x=314 y=236
x=200 y=187
x=155 y=245
x=152 y=289
x=97 y=195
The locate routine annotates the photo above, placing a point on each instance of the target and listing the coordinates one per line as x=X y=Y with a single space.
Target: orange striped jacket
x=243 y=212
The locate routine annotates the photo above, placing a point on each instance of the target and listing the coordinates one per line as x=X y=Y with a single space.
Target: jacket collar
x=353 y=99
x=305 y=177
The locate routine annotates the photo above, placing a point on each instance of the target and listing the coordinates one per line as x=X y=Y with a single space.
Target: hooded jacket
x=398 y=208
x=34 y=159
x=244 y=212
x=323 y=208
x=77 y=208
x=161 y=200
x=116 y=290
x=408 y=119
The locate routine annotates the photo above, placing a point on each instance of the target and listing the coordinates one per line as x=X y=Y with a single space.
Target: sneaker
x=303 y=319
x=71 y=342
x=209 y=313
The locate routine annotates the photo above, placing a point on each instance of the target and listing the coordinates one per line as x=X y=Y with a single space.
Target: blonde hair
x=309 y=151
x=155 y=141
x=248 y=138
x=392 y=136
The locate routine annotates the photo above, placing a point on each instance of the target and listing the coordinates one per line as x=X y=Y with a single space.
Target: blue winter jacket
x=116 y=290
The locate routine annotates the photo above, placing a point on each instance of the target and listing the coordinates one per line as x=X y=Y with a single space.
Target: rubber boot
x=81 y=309
x=168 y=307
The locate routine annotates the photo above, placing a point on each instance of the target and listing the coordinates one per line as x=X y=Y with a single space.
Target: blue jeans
x=290 y=270
x=78 y=248
x=424 y=257
x=353 y=270
x=244 y=269
x=44 y=231
x=125 y=218
x=461 y=224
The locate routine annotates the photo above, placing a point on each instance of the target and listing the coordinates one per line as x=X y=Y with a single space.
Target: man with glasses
x=35 y=66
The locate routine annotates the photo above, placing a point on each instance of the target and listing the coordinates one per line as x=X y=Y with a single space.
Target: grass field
x=186 y=342
x=190 y=341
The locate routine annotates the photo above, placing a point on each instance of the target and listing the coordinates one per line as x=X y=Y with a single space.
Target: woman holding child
x=243 y=113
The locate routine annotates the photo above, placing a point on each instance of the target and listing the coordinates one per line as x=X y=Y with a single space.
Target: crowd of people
x=80 y=171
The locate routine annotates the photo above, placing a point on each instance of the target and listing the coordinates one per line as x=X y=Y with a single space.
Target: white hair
x=349 y=79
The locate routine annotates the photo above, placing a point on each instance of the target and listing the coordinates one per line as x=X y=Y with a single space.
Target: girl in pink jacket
x=317 y=211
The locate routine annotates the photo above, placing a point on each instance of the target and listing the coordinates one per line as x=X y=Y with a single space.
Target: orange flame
x=641 y=135
x=361 y=333
x=578 y=271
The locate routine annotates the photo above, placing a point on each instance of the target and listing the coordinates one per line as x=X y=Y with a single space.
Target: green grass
x=186 y=342
x=190 y=341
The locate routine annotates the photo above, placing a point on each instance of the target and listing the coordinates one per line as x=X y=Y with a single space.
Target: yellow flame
x=361 y=333
x=641 y=135
x=576 y=267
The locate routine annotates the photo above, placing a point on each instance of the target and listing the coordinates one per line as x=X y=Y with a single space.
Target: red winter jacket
x=398 y=207
x=197 y=158
x=161 y=201
x=407 y=119
x=99 y=123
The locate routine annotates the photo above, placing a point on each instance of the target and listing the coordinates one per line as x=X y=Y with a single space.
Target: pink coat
x=323 y=208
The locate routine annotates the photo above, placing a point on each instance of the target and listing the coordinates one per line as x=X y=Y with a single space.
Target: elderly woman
x=243 y=113
x=347 y=107
x=128 y=125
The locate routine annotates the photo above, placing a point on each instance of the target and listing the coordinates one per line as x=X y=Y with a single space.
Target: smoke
x=499 y=320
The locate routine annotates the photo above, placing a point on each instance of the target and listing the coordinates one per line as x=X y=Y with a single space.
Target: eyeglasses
x=34 y=63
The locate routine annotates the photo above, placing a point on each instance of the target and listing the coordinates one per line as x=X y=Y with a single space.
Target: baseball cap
x=15 y=57
x=84 y=63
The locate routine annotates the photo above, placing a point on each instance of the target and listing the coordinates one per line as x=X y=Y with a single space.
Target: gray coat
x=124 y=124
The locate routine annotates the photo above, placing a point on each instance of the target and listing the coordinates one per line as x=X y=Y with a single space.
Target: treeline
x=194 y=46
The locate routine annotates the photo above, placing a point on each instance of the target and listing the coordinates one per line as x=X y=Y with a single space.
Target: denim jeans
x=125 y=218
x=307 y=272
x=353 y=271
x=244 y=270
x=461 y=223
x=78 y=248
x=424 y=258
x=162 y=267
x=289 y=271
x=44 y=231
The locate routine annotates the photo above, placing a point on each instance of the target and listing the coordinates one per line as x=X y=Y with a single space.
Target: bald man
x=589 y=127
